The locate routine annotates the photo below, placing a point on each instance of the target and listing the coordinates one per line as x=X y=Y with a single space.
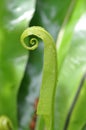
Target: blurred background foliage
x=21 y=71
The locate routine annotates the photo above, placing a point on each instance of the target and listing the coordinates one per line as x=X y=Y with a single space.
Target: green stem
x=49 y=79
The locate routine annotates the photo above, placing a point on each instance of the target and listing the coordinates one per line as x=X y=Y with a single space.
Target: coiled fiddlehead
x=5 y=123
x=47 y=92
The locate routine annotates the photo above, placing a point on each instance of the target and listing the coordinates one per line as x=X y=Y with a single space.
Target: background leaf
x=73 y=66
x=14 y=18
